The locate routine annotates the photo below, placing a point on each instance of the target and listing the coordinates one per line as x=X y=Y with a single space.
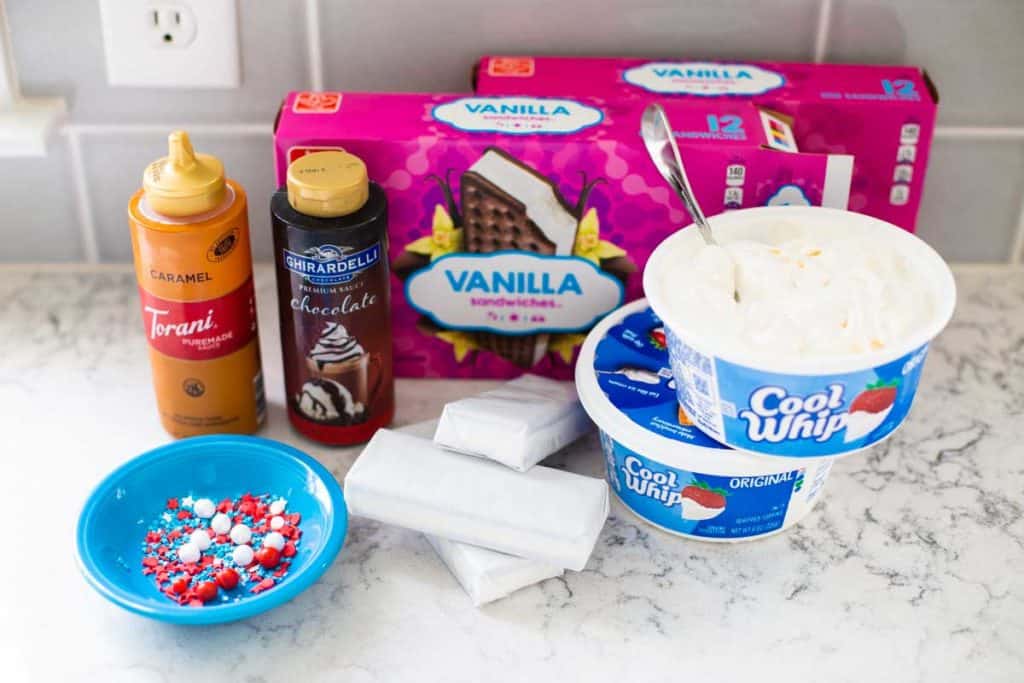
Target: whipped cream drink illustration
x=190 y=238
x=330 y=244
x=335 y=345
x=338 y=392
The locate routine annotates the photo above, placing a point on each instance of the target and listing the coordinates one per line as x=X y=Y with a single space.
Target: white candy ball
x=273 y=540
x=276 y=523
x=204 y=507
x=277 y=507
x=189 y=553
x=221 y=523
x=242 y=556
x=200 y=538
x=240 y=534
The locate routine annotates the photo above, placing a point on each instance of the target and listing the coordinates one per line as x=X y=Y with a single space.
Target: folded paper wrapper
x=485 y=575
x=545 y=514
x=517 y=424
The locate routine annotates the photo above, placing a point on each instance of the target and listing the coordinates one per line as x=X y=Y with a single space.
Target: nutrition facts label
x=903 y=171
x=699 y=391
x=735 y=176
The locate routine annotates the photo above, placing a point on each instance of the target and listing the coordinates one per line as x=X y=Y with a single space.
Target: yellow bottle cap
x=183 y=183
x=328 y=184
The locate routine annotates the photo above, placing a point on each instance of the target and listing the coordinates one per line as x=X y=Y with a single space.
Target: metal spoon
x=661 y=145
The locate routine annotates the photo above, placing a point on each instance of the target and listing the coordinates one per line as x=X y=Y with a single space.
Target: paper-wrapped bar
x=517 y=424
x=544 y=514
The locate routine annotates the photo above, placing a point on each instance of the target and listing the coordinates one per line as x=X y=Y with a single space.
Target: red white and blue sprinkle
x=202 y=552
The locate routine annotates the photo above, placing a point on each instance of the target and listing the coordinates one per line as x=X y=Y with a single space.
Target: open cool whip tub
x=661 y=467
x=825 y=400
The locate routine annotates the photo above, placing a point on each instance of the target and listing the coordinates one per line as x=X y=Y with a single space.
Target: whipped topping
x=335 y=345
x=798 y=293
x=325 y=400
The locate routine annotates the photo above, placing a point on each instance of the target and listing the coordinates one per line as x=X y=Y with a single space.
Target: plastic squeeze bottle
x=193 y=262
x=334 y=298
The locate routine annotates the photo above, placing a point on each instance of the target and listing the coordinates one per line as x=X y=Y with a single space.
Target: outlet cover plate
x=171 y=44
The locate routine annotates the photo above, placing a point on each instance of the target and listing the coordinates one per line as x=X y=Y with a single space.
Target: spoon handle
x=661 y=144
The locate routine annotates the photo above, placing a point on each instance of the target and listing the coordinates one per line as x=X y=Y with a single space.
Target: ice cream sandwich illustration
x=507 y=205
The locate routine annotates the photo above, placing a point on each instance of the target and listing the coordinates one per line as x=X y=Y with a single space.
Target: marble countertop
x=911 y=568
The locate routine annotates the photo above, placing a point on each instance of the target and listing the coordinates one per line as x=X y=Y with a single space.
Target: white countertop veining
x=911 y=569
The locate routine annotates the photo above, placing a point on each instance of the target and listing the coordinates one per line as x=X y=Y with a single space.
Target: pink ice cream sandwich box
x=883 y=116
x=517 y=222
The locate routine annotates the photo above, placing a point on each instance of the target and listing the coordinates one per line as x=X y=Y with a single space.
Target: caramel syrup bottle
x=193 y=262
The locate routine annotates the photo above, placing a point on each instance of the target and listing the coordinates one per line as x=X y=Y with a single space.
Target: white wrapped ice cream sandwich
x=544 y=514
x=517 y=424
x=487 y=575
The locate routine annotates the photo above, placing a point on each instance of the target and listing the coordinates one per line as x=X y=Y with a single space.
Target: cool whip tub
x=660 y=466
x=820 y=352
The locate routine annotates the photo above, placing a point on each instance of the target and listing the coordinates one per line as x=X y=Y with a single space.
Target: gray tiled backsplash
x=971 y=48
x=972 y=199
x=38 y=223
x=65 y=58
x=431 y=45
x=114 y=172
x=975 y=187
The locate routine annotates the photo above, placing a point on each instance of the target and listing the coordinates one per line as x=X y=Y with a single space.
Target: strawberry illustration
x=876 y=397
x=657 y=337
x=869 y=408
x=698 y=501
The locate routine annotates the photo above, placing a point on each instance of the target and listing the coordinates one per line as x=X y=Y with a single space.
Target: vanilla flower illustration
x=589 y=244
x=444 y=237
x=565 y=345
x=462 y=343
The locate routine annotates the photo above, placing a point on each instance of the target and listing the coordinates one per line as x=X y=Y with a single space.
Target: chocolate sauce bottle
x=333 y=289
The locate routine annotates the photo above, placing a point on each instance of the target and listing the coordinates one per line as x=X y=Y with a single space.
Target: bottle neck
x=147 y=212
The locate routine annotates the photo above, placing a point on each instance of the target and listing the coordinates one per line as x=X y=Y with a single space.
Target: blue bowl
x=115 y=517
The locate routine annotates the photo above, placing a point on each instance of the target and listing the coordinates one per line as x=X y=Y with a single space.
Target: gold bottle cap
x=183 y=183
x=328 y=184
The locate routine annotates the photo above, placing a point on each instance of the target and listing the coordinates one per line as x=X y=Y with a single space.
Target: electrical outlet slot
x=172 y=25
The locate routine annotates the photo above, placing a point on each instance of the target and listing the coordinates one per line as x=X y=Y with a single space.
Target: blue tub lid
x=631 y=365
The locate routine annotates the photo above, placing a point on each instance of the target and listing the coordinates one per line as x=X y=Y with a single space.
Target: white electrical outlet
x=171 y=25
x=172 y=44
